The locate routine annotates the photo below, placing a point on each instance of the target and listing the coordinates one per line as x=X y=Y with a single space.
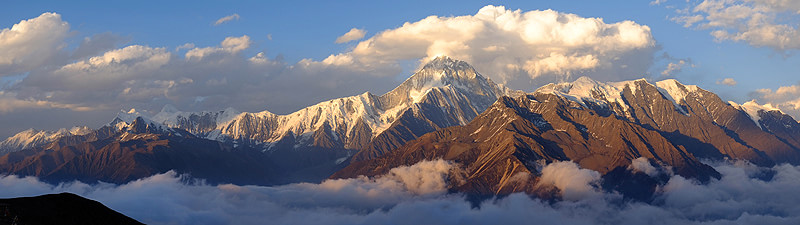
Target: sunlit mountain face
x=660 y=112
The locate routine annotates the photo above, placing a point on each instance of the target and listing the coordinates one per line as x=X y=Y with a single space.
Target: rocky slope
x=136 y=150
x=307 y=145
x=35 y=138
x=445 y=92
x=600 y=126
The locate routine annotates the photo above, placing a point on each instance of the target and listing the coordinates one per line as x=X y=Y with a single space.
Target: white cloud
x=185 y=46
x=231 y=45
x=673 y=68
x=727 y=81
x=352 y=35
x=785 y=98
x=111 y=68
x=514 y=45
x=511 y=46
x=226 y=19
x=147 y=78
x=761 y=23
x=426 y=177
x=643 y=165
x=9 y=103
x=746 y=194
x=657 y=2
x=31 y=43
x=574 y=183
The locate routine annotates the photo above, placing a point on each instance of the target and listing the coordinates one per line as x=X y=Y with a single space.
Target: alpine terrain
x=600 y=126
x=307 y=145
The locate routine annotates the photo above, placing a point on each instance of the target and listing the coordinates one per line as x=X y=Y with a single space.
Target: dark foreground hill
x=64 y=209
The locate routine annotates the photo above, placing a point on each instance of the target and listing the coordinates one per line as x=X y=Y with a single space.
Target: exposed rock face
x=599 y=126
x=139 y=150
x=36 y=138
x=445 y=92
x=462 y=95
x=307 y=145
x=64 y=208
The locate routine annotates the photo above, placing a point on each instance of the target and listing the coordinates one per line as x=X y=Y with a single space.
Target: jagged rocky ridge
x=136 y=149
x=600 y=126
x=307 y=145
x=445 y=92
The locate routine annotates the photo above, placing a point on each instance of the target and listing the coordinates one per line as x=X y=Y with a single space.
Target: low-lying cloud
x=416 y=194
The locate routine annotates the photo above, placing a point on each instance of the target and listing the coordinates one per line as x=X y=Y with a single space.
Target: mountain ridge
x=317 y=140
x=602 y=127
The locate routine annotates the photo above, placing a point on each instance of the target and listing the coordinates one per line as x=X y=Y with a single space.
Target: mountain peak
x=440 y=72
x=674 y=90
x=444 y=62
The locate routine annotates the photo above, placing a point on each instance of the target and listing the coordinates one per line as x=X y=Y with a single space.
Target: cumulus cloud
x=147 y=77
x=9 y=102
x=785 y=98
x=761 y=23
x=520 y=48
x=673 y=68
x=573 y=182
x=226 y=19
x=746 y=194
x=31 y=43
x=352 y=35
x=727 y=81
x=643 y=165
x=231 y=45
x=514 y=45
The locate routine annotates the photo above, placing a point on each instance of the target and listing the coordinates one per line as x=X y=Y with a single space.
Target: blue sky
x=286 y=32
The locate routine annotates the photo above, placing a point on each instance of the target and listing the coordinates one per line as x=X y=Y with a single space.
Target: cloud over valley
x=417 y=194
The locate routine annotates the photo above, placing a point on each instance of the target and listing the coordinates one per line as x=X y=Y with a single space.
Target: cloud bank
x=521 y=48
x=532 y=46
x=746 y=194
x=31 y=43
x=761 y=23
x=785 y=98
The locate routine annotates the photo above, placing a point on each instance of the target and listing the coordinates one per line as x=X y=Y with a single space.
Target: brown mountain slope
x=503 y=145
x=138 y=152
x=600 y=126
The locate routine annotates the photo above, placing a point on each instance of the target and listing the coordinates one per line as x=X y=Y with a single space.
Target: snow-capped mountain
x=309 y=144
x=610 y=95
x=451 y=86
x=602 y=127
x=35 y=138
x=445 y=110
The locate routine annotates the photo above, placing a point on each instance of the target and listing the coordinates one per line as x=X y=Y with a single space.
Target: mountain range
x=600 y=126
x=499 y=138
x=307 y=145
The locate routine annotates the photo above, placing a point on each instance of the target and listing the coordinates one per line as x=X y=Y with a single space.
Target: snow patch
x=585 y=89
x=676 y=92
x=752 y=108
